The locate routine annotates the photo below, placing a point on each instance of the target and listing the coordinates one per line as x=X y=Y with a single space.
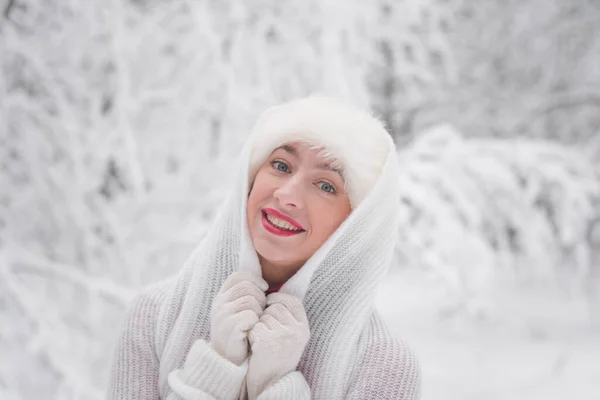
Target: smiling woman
x=277 y=302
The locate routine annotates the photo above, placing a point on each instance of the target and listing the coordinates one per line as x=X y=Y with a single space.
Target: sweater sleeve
x=135 y=371
x=291 y=386
x=206 y=375
x=134 y=374
x=388 y=368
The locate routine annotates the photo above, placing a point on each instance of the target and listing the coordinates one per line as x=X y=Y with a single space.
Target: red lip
x=274 y=230
x=279 y=215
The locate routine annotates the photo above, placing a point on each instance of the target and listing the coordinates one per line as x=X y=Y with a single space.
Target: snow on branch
x=26 y=263
x=76 y=318
x=480 y=209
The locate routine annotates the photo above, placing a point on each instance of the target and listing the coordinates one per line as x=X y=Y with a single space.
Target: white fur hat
x=348 y=134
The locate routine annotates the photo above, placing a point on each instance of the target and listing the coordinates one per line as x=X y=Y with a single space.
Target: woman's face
x=297 y=201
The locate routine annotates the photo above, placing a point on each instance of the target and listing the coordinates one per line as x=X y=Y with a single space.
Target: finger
x=292 y=303
x=258 y=331
x=244 y=303
x=247 y=320
x=280 y=313
x=246 y=288
x=271 y=322
x=240 y=276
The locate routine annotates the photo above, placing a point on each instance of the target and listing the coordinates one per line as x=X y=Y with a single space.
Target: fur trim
x=346 y=133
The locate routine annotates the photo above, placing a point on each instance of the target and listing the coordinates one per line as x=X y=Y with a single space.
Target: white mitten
x=236 y=309
x=277 y=340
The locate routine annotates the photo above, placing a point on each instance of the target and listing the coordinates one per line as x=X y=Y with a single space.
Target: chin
x=274 y=255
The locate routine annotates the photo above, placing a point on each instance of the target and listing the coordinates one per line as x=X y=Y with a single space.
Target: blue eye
x=280 y=166
x=327 y=187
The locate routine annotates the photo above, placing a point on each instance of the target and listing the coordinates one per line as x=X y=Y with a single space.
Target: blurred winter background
x=121 y=120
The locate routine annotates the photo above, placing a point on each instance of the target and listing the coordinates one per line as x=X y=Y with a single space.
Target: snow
x=534 y=345
x=120 y=124
x=487 y=317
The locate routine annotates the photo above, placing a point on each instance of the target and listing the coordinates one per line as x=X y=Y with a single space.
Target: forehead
x=323 y=159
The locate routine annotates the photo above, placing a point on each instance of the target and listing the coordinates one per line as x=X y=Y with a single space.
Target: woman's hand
x=236 y=309
x=277 y=340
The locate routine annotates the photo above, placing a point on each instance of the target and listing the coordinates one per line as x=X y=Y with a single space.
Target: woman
x=277 y=300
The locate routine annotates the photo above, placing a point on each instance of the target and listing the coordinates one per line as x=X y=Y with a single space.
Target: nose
x=290 y=192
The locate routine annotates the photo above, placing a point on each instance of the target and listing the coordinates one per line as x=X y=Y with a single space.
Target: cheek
x=261 y=189
x=325 y=220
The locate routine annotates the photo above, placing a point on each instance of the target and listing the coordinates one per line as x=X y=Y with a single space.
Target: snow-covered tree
x=120 y=122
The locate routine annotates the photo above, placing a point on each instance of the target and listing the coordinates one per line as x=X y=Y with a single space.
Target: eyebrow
x=290 y=149
x=324 y=165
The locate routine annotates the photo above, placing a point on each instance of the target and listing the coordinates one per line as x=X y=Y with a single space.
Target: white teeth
x=281 y=223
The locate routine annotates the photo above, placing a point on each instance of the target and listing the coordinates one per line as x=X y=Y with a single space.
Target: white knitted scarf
x=337 y=284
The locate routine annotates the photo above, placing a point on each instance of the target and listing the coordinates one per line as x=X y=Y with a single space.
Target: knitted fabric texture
x=278 y=341
x=236 y=310
x=350 y=353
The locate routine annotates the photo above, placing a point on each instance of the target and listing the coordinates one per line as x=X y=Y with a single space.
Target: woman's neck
x=277 y=274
